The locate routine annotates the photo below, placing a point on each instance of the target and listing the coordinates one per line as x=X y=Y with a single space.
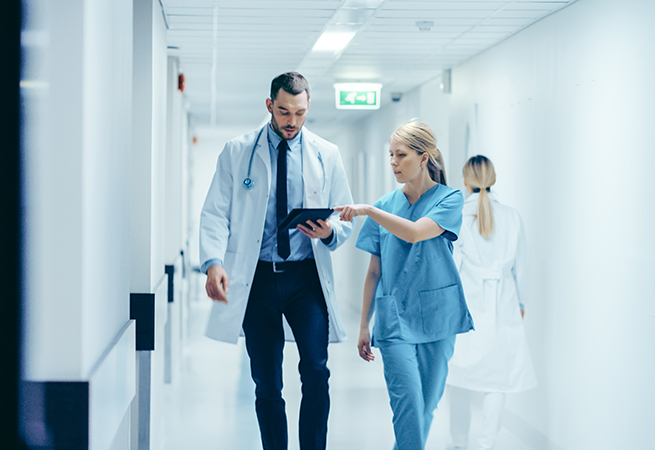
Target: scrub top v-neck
x=419 y=296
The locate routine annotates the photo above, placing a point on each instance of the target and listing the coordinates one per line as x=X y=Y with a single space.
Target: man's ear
x=269 y=105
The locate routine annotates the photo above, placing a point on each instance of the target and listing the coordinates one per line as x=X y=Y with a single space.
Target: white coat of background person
x=494 y=359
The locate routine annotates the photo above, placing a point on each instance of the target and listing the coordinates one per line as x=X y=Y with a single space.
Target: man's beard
x=279 y=132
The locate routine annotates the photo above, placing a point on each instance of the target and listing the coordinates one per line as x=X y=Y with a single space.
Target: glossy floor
x=211 y=405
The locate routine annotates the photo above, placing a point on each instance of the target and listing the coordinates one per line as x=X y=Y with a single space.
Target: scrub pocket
x=387 y=322
x=440 y=309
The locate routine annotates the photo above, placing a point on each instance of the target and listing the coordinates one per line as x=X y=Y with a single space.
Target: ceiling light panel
x=275 y=13
x=409 y=22
x=486 y=28
x=531 y=14
x=280 y=21
x=539 y=5
x=519 y=23
x=188 y=4
x=257 y=40
x=288 y=5
x=187 y=19
x=187 y=10
x=443 y=5
x=333 y=41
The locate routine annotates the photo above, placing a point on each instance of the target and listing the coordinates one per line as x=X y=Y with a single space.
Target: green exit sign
x=357 y=95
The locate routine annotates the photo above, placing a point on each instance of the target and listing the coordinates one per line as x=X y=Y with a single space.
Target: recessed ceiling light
x=333 y=40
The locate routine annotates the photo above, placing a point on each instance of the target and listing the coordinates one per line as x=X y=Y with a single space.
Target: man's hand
x=217 y=285
x=321 y=230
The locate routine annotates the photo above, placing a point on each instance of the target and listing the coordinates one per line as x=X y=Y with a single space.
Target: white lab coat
x=233 y=217
x=495 y=357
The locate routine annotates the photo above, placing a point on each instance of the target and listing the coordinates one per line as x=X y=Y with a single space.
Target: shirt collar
x=275 y=139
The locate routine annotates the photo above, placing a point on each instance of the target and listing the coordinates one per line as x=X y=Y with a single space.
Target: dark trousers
x=295 y=293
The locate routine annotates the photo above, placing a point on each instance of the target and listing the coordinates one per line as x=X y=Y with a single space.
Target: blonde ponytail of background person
x=480 y=175
x=419 y=137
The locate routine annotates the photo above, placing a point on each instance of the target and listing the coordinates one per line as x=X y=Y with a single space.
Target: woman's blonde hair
x=419 y=137
x=480 y=175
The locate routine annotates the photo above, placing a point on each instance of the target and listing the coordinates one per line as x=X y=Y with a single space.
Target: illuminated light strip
x=34 y=84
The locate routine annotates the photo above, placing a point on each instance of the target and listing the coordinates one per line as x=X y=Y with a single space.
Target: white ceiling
x=230 y=50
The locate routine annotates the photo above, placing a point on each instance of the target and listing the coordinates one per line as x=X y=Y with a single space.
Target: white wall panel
x=149 y=143
x=54 y=202
x=106 y=162
x=78 y=184
x=159 y=75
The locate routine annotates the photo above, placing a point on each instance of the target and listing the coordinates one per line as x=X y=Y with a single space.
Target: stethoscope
x=248 y=183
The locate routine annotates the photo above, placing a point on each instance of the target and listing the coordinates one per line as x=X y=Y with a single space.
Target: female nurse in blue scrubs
x=412 y=285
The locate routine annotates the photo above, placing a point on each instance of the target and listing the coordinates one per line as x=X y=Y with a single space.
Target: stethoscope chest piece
x=248 y=183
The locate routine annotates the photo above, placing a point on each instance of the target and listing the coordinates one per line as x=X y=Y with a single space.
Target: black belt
x=280 y=267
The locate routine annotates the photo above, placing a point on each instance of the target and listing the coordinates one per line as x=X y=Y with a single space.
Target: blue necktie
x=283 y=248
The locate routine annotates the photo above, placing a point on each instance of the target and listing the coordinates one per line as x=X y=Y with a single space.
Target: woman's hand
x=364 y=345
x=350 y=211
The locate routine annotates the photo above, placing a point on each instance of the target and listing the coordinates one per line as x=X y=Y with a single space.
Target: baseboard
x=87 y=414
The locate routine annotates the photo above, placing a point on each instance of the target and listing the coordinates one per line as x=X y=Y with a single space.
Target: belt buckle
x=275 y=269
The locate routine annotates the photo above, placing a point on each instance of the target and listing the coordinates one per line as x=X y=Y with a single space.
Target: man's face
x=288 y=113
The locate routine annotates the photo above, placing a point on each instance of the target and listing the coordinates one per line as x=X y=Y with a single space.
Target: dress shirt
x=301 y=246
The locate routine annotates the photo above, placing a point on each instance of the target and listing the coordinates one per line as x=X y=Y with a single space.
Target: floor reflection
x=211 y=406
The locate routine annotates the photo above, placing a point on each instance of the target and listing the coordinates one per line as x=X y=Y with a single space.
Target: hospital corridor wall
x=105 y=145
x=564 y=110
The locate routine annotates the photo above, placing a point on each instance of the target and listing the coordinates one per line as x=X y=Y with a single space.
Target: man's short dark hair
x=292 y=83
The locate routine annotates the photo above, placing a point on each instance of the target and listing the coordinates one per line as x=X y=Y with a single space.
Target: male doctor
x=271 y=283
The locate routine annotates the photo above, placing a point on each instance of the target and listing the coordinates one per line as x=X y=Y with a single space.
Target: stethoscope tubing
x=248 y=183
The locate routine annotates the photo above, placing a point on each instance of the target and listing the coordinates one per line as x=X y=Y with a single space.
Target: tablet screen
x=302 y=215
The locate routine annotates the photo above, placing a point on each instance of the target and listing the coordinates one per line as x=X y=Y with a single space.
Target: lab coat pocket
x=387 y=322
x=440 y=309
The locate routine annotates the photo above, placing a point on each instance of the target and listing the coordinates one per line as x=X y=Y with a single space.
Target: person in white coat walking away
x=280 y=282
x=494 y=359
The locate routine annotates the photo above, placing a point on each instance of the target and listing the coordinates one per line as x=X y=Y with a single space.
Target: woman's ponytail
x=480 y=175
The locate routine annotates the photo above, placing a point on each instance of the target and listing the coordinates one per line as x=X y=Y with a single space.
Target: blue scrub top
x=419 y=297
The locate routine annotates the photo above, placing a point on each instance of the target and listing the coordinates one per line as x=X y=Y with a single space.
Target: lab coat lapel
x=312 y=172
x=263 y=152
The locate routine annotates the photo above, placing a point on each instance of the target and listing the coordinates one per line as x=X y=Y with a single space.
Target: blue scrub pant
x=416 y=377
x=296 y=294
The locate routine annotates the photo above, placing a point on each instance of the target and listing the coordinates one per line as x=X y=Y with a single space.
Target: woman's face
x=405 y=162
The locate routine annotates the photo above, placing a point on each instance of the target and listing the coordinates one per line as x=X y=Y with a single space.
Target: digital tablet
x=302 y=215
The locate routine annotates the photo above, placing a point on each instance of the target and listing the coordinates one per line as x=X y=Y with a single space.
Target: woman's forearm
x=404 y=229
x=368 y=304
x=370 y=286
